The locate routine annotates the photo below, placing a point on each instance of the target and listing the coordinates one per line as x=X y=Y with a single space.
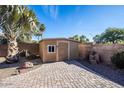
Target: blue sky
x=66 y=21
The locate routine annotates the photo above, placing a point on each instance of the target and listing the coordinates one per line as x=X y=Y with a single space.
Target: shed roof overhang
x=47 y=39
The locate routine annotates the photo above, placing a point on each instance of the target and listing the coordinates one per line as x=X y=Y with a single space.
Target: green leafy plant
x=111 y=35
x=82 y=38
x=118 y=59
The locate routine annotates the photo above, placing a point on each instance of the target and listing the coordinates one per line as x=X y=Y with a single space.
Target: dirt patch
x=7 y=70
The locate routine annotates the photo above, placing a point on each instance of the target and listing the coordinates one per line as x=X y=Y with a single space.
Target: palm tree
x=38 y=35
x=2 y=39
x=42 y=29
x=14 y=21
x=25 y=37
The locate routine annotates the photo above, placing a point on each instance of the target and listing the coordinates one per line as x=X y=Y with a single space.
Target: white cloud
x=51 y=10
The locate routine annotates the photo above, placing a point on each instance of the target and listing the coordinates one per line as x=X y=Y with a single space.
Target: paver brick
x=58 y=75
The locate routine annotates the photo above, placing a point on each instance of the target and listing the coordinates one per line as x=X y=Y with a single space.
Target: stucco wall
x=41 y=51
x=107 y=51
x=84 y=51
x=33 y=48
x=3 y=50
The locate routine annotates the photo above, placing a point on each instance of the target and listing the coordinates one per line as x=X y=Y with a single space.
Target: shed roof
x=47 y=39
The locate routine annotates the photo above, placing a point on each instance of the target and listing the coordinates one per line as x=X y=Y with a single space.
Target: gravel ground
x=109 y=72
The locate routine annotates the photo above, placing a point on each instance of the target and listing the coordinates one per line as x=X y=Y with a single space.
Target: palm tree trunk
x=12 y=55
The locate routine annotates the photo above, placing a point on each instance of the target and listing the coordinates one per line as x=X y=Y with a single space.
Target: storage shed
x=58 y=49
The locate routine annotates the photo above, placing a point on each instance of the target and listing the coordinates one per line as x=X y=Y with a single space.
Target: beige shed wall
x=48 y=57
x=64 y=50
x=74 y=53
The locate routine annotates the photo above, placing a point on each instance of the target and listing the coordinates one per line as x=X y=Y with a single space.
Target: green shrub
x=118 y=59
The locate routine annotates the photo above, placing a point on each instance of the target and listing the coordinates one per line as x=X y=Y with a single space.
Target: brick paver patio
x=60 y=75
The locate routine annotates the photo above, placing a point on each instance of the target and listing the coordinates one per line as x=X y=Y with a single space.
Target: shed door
x=62 y=51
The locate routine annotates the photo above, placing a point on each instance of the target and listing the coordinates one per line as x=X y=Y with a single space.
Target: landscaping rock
x=27 y=65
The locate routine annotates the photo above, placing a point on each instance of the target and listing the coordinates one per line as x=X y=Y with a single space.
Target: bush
x=118 y=59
